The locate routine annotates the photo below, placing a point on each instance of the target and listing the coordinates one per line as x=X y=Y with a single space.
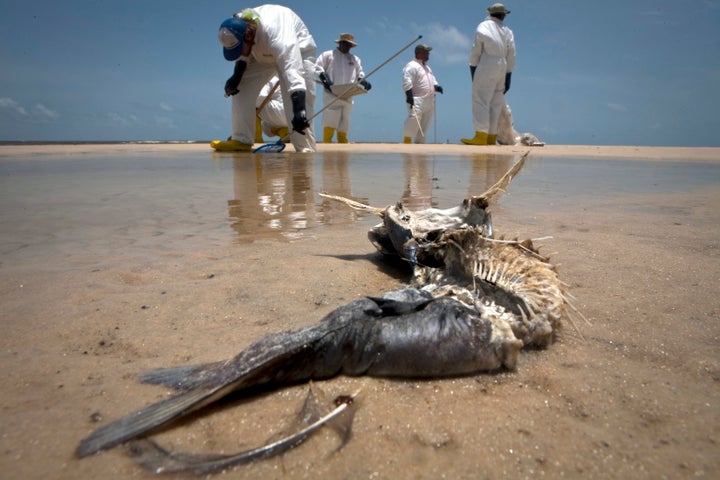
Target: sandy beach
x=634 y=394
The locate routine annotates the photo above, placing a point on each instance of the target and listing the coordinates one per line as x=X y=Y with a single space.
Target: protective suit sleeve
x=510 y=57
x=477 y=50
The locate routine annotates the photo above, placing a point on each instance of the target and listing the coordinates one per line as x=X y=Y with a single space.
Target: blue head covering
x=231 y=35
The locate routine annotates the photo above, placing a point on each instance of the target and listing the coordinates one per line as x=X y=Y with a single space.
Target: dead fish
x=453 y=253
x=475 y=302
x=406 y=333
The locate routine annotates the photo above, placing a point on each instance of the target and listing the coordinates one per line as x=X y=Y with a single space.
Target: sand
x=635 y=395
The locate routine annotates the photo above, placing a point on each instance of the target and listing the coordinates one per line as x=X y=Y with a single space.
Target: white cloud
x=10 y=104
x=166 y=107
x=36 y=114
x=123 y=120
x=43 y=111
x=617 y=107
x=449 y=44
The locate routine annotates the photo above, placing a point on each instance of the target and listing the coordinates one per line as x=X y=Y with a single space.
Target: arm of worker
x=407 y=83
x=327 y=83
x=475 y=54
x=232 y=83
x=409 y=98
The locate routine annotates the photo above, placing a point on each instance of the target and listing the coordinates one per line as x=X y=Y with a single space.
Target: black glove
x=299 y=121
x=508 y=75
x=326 y=82
x=231 y=86
x=438 y=89
x=472 y=72
x=365 y=84
x=409 y=98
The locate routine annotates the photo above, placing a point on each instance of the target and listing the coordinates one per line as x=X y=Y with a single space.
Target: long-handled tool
x=268 y=98
x=422 y=134
x=279 y=146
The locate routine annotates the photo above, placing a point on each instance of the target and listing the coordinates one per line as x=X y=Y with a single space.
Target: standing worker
x=339 y=66
x=264 y=41
x=492 y=60
x=420 y=86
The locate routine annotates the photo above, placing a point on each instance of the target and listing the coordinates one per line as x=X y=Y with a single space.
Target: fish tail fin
x=142 y=421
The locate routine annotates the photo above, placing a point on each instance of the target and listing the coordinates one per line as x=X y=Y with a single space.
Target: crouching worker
x=264 y=41
x=271 y=113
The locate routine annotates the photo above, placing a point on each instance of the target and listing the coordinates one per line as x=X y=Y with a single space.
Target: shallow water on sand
x=68 y=204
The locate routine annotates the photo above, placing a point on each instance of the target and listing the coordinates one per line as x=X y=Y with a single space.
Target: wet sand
x=638 y=396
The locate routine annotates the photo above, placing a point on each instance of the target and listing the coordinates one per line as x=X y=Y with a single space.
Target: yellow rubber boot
x=281 y=132
x=258 y=130
x=492 y=139
x=480 y=138
x=328 y=133
x=230 y=146
x=407 y=140
x=342 y=137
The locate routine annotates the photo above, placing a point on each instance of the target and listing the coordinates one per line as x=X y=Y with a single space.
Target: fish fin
x=142 y=421
x=273 y=358
x=496 y=190
x=186 y=377
x=355 y=205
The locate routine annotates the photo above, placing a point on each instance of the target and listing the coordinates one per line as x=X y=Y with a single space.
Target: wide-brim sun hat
x=347 y=37
x=231 y=36
x=498 y=8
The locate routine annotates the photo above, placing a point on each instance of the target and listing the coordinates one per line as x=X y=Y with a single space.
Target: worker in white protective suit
x=420 y=87
x=271 y=112
x=492 y=60
x=339 y=66
x=264 y=41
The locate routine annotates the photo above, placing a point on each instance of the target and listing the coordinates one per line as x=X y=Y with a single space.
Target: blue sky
x=632 y=72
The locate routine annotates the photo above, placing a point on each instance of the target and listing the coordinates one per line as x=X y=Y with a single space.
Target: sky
x=631 y=72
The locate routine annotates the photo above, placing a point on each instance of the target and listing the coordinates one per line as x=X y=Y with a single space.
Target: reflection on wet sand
x=487 y=170
x=336 y=181
x=417 y=194
x=274 y=195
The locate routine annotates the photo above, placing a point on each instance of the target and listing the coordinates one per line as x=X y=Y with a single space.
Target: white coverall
x=493 y=53
x=341 y=69
x=283 y=46
x=419 y=77
x=272 y=116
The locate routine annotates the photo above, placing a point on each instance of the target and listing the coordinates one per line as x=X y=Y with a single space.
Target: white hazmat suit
x=341 y=69
x=418 y=77
x=492 y=55
x=272 y=116
x=283 y=46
